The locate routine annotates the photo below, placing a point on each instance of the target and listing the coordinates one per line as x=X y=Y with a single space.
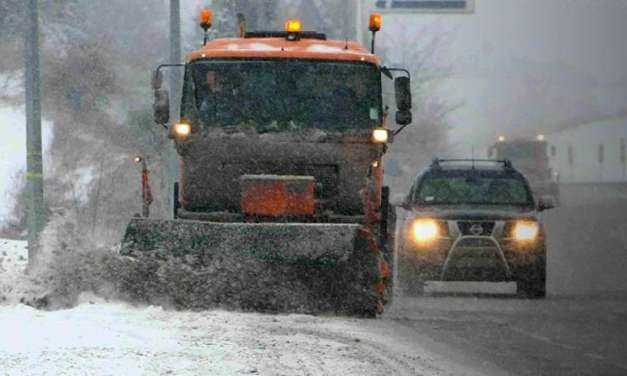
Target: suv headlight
x=526 y=230
x=425 y=230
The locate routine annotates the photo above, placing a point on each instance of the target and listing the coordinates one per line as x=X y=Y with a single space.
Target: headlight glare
x=380 y=136
x=182 y=130
x=526 y=230
x=425 y=230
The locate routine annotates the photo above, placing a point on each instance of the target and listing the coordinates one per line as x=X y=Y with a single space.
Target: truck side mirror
x=406 y=205
x=402 y=202
x=161 y=105
x=402 y=87
x=403 y=117
x=157 y=80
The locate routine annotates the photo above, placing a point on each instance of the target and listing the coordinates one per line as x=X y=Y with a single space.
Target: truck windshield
x=274 y=95
x=465 y=190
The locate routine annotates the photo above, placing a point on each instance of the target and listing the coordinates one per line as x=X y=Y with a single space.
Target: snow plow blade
x=267 y=267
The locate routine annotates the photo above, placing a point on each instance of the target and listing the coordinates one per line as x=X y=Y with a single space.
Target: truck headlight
x=424 y=230
x=526 y=230
x=380 y=136
x=182 y=130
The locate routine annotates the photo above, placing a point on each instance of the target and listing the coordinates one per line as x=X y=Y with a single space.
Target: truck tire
x=388 y=224
x=387 y=234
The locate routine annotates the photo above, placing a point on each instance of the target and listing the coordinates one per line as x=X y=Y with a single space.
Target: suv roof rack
x=284 y=34
x=507 y=164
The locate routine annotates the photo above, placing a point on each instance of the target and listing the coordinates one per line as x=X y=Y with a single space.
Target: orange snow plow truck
x=280 y=206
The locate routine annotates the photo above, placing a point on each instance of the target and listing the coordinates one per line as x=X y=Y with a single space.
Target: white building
x=590 y=153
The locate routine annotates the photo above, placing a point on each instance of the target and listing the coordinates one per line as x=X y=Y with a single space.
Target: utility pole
x=175 y=80
x=34 y=163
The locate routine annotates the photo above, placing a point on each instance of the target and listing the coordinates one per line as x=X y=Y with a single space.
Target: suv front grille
x=475 y=228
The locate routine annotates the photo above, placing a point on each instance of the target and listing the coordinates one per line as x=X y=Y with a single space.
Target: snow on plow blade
x=470 y=287
x=287 y=267
x=289 y=242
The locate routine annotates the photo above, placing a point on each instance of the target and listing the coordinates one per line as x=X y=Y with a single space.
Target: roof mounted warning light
x=374 y=26
x=293 y=28
x=205 y=19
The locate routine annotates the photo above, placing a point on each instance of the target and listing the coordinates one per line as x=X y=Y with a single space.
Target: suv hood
x=475 y=212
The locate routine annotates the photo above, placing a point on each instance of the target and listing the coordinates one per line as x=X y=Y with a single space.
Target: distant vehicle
x=531 y=156
x=473 y=221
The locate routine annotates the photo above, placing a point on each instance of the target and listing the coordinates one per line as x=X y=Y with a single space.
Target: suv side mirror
x=405 y=204
x=546 y=203
x=402 y=87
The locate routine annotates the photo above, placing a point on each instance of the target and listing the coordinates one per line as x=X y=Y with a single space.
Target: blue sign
x=460 y=6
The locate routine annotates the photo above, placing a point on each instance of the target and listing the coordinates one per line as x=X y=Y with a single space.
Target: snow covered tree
x=97 y=59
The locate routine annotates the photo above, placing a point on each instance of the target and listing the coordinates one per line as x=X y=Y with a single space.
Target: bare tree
x=420 y=51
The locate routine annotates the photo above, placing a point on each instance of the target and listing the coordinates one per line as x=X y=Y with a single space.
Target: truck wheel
x=532 y=282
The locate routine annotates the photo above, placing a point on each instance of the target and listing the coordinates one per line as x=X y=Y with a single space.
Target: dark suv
x=476 y=222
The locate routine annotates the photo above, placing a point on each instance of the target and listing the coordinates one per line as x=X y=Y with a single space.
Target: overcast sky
x=524 y=66
x=518 y=65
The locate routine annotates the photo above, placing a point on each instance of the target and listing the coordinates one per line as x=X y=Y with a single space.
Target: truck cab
x=286 y=103
x=531 y=157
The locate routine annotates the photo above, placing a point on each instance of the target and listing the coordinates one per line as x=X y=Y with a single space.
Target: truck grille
x=475 y=228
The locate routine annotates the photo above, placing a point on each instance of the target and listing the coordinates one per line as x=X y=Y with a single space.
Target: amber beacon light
x=293 y=26
x=375 y=22
x=205 y=19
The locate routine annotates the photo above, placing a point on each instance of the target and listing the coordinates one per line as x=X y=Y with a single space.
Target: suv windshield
x=475 y=190
x=275 y=95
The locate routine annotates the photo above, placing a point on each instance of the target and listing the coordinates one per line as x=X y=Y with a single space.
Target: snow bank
x=13 y=282
x=99 y=339
x=13 y=256
x=67 y=266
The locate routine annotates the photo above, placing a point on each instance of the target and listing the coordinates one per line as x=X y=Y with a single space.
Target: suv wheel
x=532 y=282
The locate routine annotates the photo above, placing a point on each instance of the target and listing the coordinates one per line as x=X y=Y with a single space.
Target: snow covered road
x=416 y=336
x=98 y=337
x=101 y=338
